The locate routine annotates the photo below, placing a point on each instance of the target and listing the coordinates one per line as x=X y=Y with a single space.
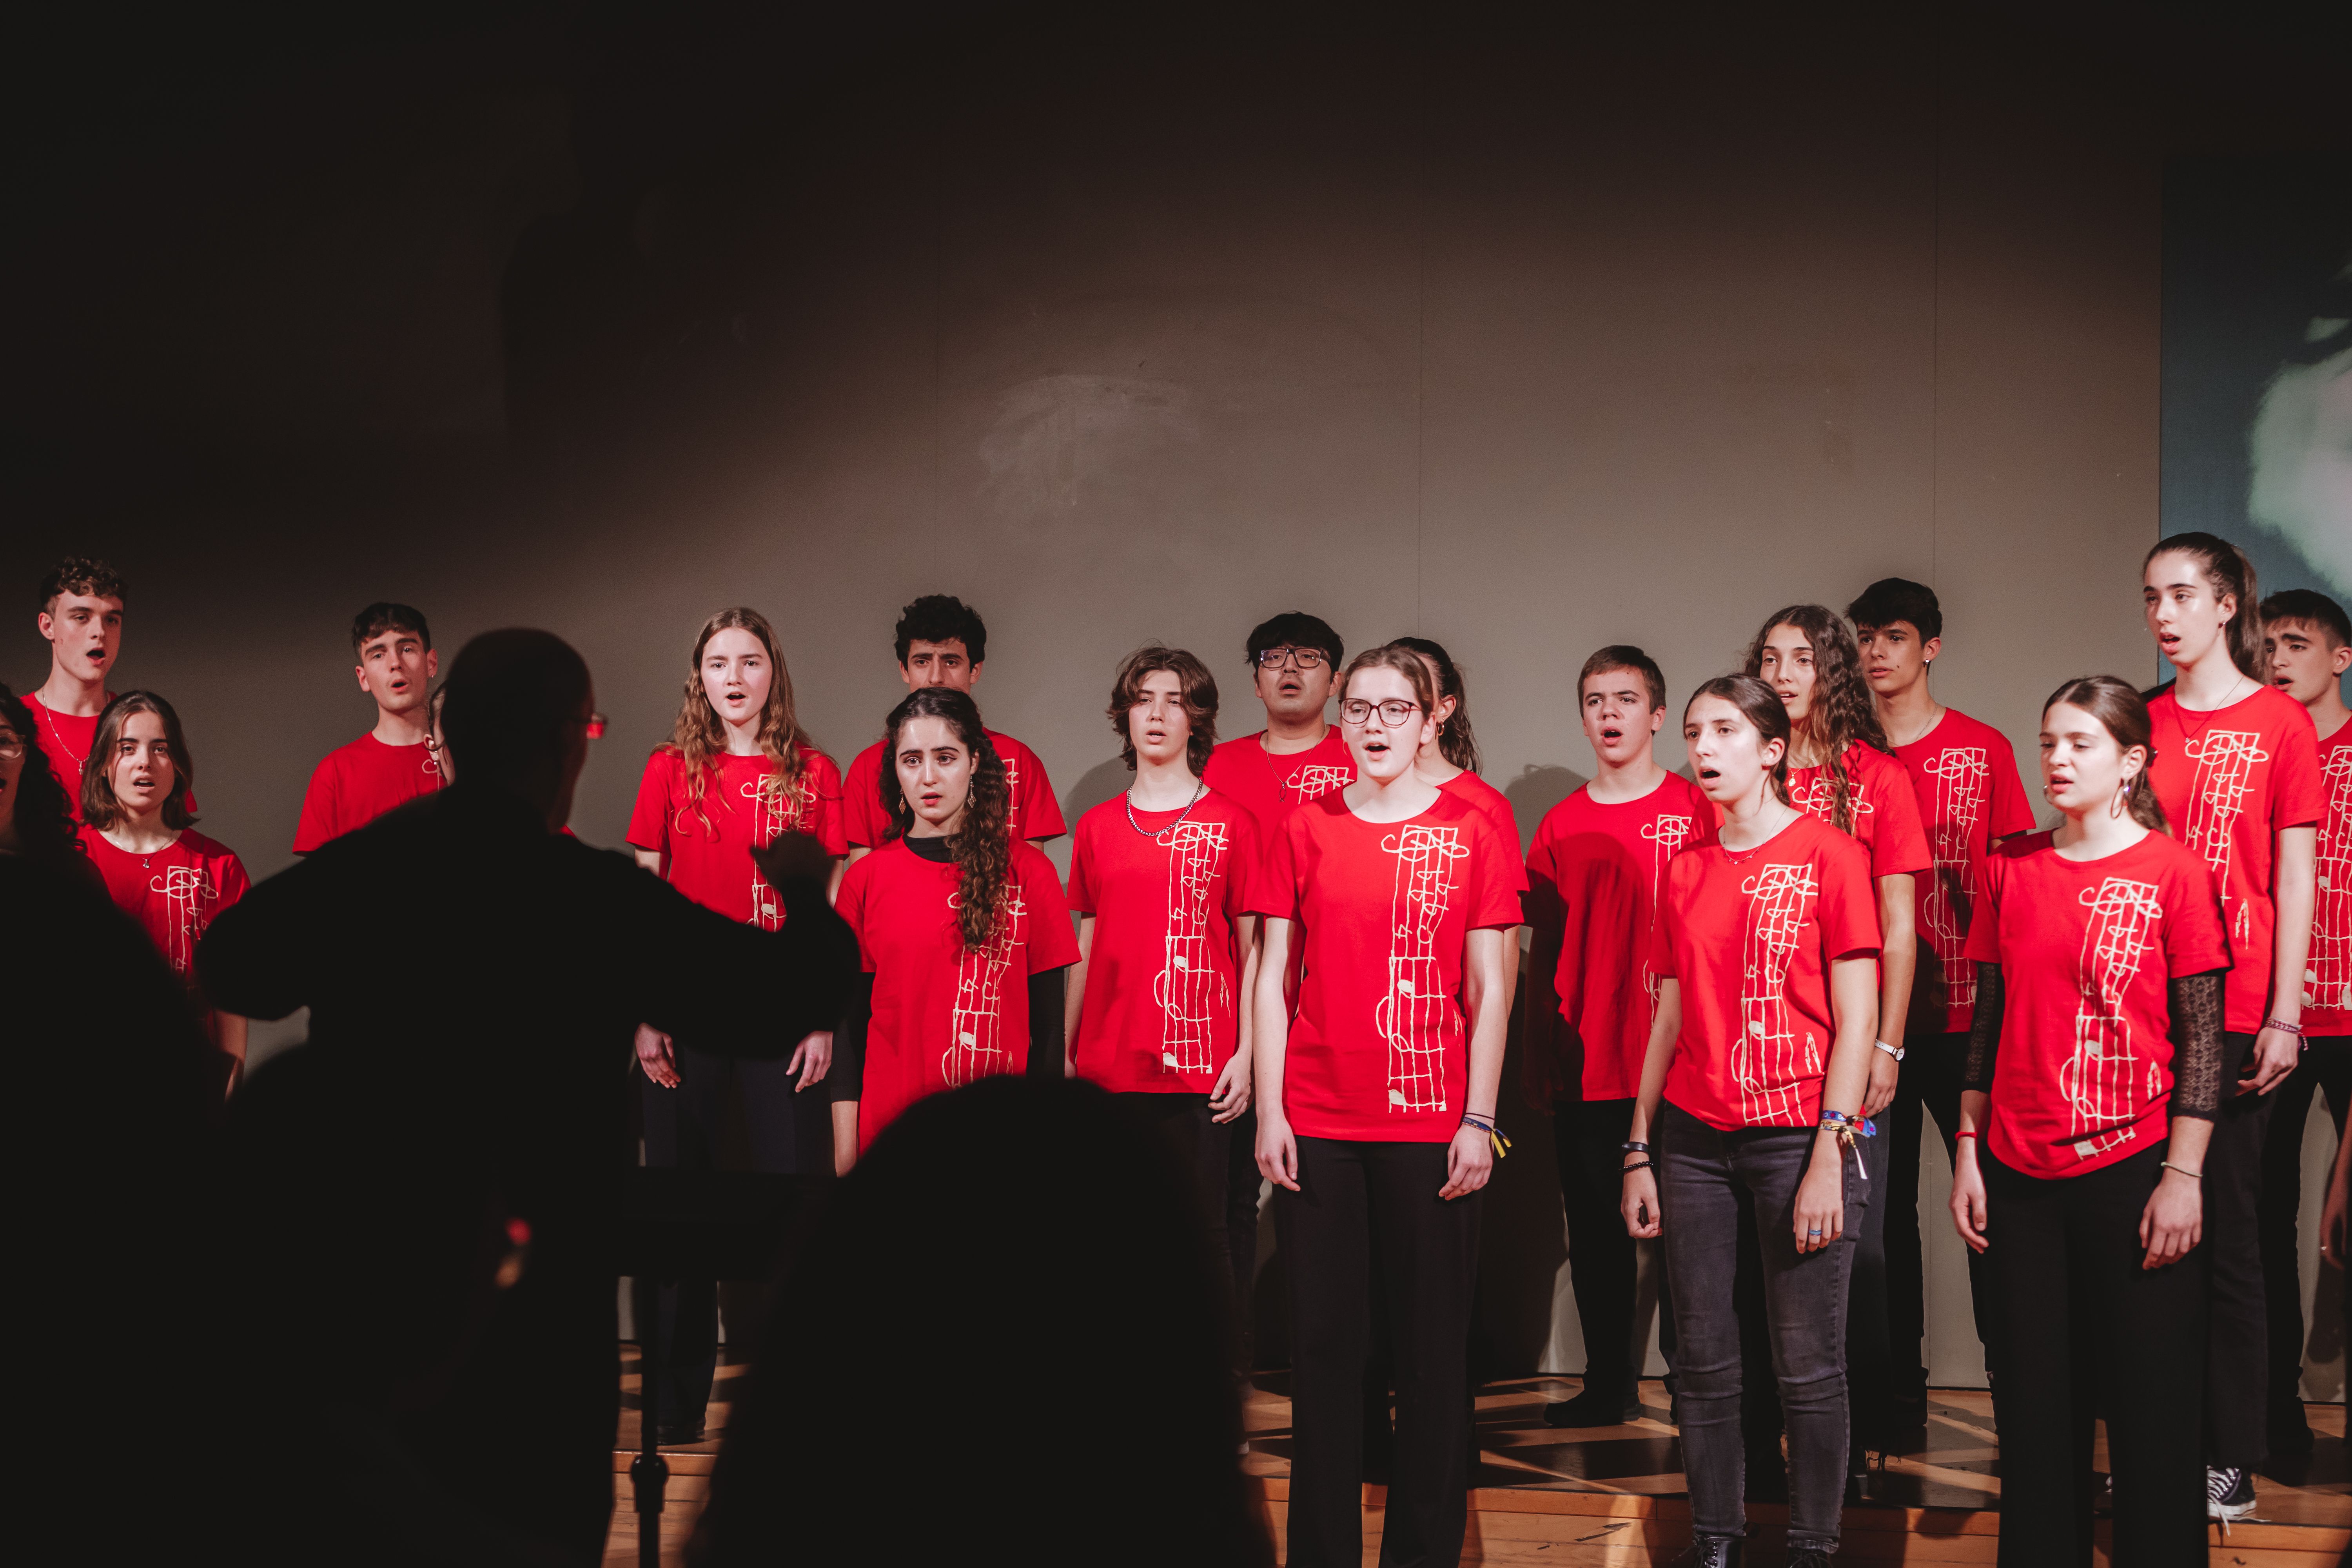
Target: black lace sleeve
x=2196 y=1045
x=1984 y=1029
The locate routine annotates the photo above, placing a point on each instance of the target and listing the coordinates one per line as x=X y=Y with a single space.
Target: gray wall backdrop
x=1525 y=337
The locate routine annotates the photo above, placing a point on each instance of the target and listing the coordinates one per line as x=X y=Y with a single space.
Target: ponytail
x=2227 y=571
x=2123 y=713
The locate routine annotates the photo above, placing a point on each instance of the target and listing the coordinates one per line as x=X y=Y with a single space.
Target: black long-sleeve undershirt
x=1047 y=994
x=2195 y=1004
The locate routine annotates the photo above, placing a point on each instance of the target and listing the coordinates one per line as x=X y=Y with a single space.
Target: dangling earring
x=2123 y=794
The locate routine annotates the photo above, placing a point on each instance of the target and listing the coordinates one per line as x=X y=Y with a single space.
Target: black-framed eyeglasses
x=1303 y=657
x=1393 y=713
x=595 y=724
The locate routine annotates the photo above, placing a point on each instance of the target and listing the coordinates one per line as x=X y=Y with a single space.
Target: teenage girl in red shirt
x=962 y=926
x=137 y=830
x=2094 y=1075
x=1376 y=1110
x=2236 y=768
x=1450 y=760
x=1765 y=950
x=737 y=770
x=1842 y=772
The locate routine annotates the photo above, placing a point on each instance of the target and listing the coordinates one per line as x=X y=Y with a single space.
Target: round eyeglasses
x=1393 y=713
x=1301 y=658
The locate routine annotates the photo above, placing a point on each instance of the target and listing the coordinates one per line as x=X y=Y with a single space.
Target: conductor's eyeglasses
x=1305 y=659
x=1393 y=713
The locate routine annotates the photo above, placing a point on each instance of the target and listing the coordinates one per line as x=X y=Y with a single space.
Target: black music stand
x=680 y=1225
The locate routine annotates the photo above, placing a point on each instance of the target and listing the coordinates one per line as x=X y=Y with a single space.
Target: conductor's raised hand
x=792 y=858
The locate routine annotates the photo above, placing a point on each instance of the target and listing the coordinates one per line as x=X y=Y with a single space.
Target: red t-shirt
x=1880 y=805
x=944 y=1018
x=65 y=742
x=1495 y=807
x=2086 y=948
x=1964 y=776
x=1379 y=1051
x=354 y=784
x=173 y=894
x=1750 y=936
x=2229 y=782
x=712 y=862
x=2327 y=994
x=1594 y=877
x=1163 y=969
x=1270 y=784
x=1035 y=814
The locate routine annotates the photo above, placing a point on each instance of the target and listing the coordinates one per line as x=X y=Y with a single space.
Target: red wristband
x=1957 y=1136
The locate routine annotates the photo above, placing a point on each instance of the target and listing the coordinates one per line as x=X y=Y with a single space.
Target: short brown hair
x=1405 y=662
x=84 y=574
x=1197 y=689
x=386 y=616
x=1624 y=655
x=99 y=808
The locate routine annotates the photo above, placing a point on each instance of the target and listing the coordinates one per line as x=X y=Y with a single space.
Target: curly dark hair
x=1199 y=694
x=982 y=847
x=44 y=817
x=99 y=808
x=84 y=574
x=941 y=618
x=1456 y=743
x=1840 y=712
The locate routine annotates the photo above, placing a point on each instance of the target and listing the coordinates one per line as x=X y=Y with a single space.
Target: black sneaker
x=1807 y=1557
x=675 y=1434
x=1711 y=1551
x=2228 y=1494
x=1594 y=1408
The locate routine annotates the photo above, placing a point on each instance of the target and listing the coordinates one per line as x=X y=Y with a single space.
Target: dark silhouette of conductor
x=465 y=940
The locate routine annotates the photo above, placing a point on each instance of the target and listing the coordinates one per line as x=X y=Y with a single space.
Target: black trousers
x=788 y=1134
x=1184 y=1123
x=2237 y=1347
x=2327 y=1065
x=1933 y=1066
x=1242 y=1187
x=1351 y=1193
x=1602 y=1261
x=2086 y=1330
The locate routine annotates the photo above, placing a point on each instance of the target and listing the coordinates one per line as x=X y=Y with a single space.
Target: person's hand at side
x=813 y=1058
x=1230 y=1096
x=654 y=1057
x=1968 y=1205
x=1469 y=1160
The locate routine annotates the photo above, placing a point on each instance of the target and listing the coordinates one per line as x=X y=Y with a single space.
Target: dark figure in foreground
x=549 y=954
x=952 y=1245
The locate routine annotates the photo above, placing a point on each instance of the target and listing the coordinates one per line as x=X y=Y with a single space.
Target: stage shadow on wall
x=1104 y=781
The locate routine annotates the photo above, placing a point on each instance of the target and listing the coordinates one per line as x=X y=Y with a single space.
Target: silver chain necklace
x=1200 y=789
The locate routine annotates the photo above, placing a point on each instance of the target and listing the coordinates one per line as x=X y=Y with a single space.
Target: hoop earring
x=2123 y=794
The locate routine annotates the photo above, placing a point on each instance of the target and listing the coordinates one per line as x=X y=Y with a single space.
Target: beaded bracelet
x=2283 y=1026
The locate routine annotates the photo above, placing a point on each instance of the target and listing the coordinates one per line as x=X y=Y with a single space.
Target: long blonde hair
x=698 y=736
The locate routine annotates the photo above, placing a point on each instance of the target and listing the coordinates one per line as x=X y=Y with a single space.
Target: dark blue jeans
x=1700 y=1173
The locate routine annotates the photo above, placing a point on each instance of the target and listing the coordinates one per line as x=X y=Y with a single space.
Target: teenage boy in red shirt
x=1299 y=756
x=1594 y=874
x=942 y=641
x=1964 y=774
x=2307 y=646
x=394 y=762
x=81 y=617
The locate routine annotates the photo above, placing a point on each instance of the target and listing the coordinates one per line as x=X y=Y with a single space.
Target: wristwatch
x=1895 y=1051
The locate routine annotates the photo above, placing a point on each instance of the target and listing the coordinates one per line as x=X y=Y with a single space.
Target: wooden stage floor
x=1612 y=1497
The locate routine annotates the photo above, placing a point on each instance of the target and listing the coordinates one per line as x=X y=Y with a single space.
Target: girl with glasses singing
x=1377 y=1107
x=1766 y=952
